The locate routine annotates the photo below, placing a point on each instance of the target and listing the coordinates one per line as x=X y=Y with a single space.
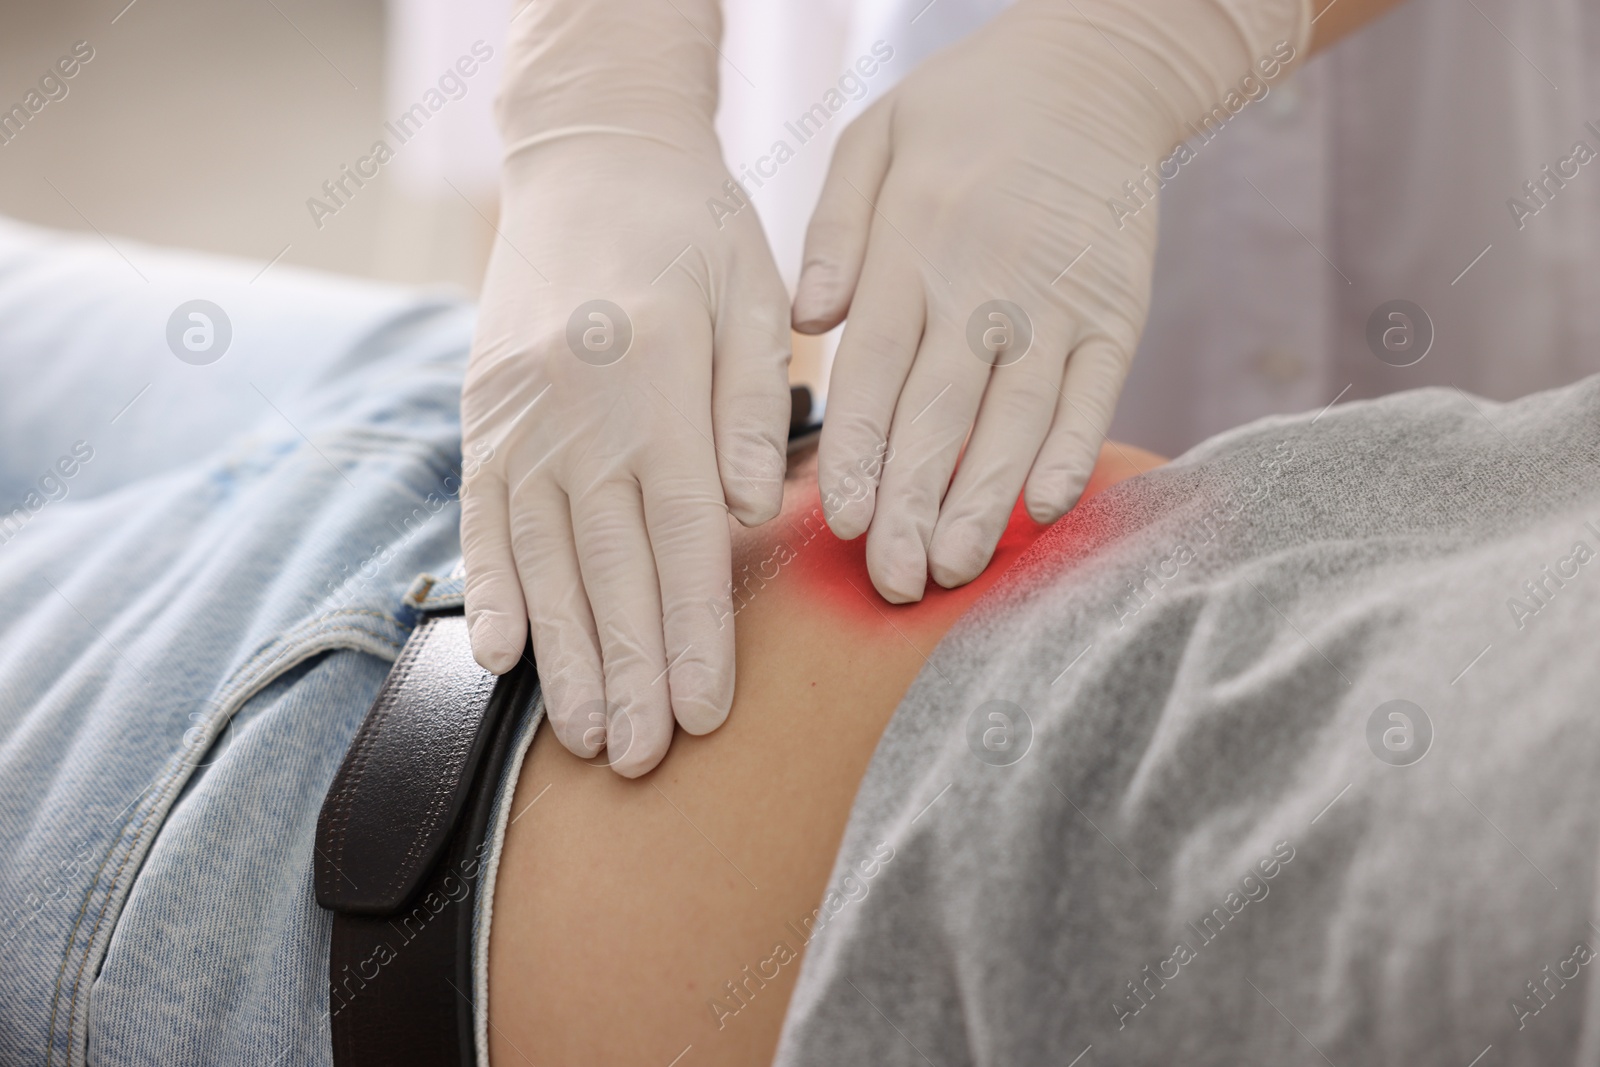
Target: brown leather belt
x=401 y=846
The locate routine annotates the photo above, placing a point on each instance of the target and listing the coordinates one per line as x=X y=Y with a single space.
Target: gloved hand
x=627 y=385
x=967 y=227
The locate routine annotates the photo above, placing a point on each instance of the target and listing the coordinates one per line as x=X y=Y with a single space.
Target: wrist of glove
x=1178 y=59
x=646 y=66
x=995 y=297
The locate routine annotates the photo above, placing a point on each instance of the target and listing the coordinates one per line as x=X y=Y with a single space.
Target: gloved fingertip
x=491 y=646
x=1050 y=496
x=754 y=486
x=813 y=326
x=701 y=697
x=756 y=512
x=849 y=520
x=815 y=304
x=581 y=731
x=698 y=716
x=1045 y=513
x=636 y=768
x=958 y=554
x=635 y=757
x=902 y=579
x=637 y=738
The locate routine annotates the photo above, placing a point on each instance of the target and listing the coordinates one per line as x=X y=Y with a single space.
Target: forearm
x=1334 y=19
x=642 y=65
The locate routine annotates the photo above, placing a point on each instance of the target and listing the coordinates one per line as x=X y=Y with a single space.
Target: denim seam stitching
x=304 y=638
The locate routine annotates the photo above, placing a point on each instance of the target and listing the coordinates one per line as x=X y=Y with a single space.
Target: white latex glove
x=616 y=439
x=984 y=176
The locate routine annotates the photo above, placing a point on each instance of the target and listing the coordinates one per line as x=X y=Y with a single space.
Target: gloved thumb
x=836 y=239
x=750 y=402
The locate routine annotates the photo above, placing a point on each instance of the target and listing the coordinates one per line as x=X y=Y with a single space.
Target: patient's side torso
x=633 y=919
x=1297 y=784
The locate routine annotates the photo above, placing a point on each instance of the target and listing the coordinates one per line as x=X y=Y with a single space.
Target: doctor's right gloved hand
x=627 y=386
x=969 y=228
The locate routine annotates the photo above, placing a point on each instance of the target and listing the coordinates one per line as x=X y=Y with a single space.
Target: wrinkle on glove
x=995 y=298
x=627 y=388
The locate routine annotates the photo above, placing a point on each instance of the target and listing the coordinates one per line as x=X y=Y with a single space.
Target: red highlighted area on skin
x=834 y=572
x=822 y=663
x=800 y=552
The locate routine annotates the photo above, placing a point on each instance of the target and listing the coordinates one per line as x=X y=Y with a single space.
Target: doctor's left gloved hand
x=966 y=228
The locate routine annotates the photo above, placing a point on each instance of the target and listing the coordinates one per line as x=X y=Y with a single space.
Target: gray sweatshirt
x=1285 y=753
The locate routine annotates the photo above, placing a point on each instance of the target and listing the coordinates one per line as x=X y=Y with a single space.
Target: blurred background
x=1379 y=173
x=210 y=124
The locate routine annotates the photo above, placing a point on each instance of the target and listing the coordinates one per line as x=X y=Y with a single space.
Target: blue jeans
x=204 y=566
